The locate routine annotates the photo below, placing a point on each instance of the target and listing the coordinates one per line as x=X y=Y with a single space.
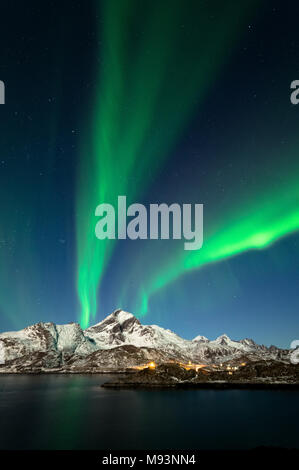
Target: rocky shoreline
x=258 y=375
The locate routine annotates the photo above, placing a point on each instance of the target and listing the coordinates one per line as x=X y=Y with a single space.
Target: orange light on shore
x=152 y=365
x=190 y=366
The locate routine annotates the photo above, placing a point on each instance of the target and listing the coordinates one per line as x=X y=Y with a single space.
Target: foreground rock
x=256 y=375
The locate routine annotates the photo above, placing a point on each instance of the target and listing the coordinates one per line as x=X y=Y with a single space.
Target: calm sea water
x=74 y=412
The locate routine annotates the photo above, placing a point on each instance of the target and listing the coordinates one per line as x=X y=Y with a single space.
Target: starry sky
x=173 y=101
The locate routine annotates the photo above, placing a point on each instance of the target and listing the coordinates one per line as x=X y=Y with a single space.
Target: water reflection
x=74 y=412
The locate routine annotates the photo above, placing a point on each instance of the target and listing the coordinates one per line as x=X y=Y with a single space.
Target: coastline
x=207 y=385
x=122 y=383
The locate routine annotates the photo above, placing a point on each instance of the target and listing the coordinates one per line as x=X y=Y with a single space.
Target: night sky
x=171 y=101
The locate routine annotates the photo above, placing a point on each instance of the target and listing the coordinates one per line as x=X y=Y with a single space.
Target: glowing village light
x=152 y=365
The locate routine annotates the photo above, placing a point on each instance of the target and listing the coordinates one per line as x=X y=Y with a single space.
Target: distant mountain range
x=118 y=342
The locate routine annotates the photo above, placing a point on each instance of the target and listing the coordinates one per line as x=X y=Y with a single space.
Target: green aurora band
x=256 y=225
x=151 y=80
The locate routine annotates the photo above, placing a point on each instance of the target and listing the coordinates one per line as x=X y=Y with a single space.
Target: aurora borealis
x=263 y=226
x=136 y=101
x=171 y=101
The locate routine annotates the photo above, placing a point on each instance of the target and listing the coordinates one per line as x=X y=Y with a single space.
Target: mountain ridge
x=117 y=342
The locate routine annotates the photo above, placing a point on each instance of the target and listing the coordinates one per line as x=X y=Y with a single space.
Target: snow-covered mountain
x=117 y=342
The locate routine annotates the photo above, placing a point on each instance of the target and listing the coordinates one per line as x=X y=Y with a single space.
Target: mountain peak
x=201 y=339
x=122 y=316
x=248 y=342
x=223 y=339
x=116 y=324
